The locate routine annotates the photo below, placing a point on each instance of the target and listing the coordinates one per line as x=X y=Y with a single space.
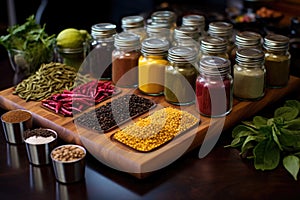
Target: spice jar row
x=259 y=63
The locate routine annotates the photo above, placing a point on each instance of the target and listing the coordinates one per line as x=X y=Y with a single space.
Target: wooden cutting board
x=136 y=163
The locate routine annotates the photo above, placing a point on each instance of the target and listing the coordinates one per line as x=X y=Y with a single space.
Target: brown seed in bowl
x=67 y=153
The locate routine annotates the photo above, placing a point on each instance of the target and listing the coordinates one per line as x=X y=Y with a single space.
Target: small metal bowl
x=68 y=169
x=14 y=123
x=39 y=143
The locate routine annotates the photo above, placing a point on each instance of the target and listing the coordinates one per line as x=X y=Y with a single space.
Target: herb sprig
x=31 y=38
x=270 y=141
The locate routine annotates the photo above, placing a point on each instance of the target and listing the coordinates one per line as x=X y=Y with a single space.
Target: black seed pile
x=42 y=132
x=114 y=113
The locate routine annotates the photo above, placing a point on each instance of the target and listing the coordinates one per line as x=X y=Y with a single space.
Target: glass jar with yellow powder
x=151 y=66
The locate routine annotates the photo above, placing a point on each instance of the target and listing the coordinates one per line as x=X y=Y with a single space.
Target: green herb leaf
x=266 y=155
x=292 y=164
x=287 y=113
x=259 y=121
x=250 y=142
x=293 y=104
x=292 y=124
x=290 y=139
x=242 y=130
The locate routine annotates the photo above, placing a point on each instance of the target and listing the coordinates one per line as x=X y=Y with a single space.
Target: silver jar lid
x=186 y=32
x=251 y=57
x=134 y=21
x=157 y=28
x=155 y=46
x=163 y=16
x=214 y=66
x=103 y=30
x=247 y=38
x=126 y=40
x=276 y=42
x=221 y=29
x=193 y=20
x=181 y=54
x=213 y=44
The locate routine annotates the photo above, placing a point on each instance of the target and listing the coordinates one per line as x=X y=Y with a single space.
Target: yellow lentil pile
x=149 y=133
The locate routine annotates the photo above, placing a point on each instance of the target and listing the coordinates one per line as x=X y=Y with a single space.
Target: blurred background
x=62 y=14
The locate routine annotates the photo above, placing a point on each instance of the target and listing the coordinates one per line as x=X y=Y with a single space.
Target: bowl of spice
x=39 y=143
x=14 y=123
x=68 y=163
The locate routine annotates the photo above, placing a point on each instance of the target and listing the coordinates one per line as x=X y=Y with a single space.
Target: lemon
x=70 y=38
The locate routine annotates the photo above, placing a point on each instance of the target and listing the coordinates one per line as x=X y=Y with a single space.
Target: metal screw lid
x=250 y=57
x=155 y=46
x=193 y=20
x=125 y=40
x=186 y=32
x=221 y=29
x=157 y=28
x=214 y=66
x=134 y=21
x=163 y=16
x=212 y=44
x=276 y=42
x=103 y=30
x=181 y=54
x=247 y=38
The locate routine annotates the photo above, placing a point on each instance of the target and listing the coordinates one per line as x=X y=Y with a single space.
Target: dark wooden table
x=222 y=174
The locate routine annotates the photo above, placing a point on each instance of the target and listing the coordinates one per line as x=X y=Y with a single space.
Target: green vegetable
x=32 y=39
x=269 y=140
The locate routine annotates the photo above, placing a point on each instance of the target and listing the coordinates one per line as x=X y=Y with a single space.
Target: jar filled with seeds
x=277 y=60
x=249 y=74
x=152 y=64
x=180 y=76
x=125 y=59
x=102 y=45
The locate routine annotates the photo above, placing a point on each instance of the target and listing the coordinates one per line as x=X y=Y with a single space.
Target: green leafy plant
x=32 y=39
x=270 y=141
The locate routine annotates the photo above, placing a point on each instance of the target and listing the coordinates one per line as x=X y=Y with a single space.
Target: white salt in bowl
x=39 y=143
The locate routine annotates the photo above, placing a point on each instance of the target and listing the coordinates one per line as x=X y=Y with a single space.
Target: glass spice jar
x=102 y=45
x=134 y=24
x=213 y=46
x=245 y=39
x=249 y=74
x=73 y=57
x=214 y=87
x=223 y=30
x=197 y=21
x=180 y=76
x=277 y=60
x=186 y=36
x=166 y=17
x=161 y=31
x=151 y=66
x=125 y=59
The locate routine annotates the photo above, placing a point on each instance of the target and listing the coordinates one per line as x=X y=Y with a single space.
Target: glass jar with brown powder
x=125 y=59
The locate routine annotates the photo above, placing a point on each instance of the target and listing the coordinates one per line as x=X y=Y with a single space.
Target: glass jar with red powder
x=214 y=87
